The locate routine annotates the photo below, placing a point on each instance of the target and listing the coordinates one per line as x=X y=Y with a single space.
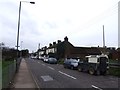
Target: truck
x=94 y=64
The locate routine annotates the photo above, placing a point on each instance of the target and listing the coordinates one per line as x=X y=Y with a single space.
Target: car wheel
x=91 y=70
x=72 y=67
x=79 y=68
x=65 y=66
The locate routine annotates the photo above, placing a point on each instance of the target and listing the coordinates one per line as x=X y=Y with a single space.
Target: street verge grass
x=6 y=63
x=113 y=61
x=115 y=71
x=6 y=73
x=60 y=61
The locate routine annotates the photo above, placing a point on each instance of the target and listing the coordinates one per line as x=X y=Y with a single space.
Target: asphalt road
x=56 y=76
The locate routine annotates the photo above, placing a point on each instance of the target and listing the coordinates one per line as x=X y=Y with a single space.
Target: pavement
x=23 y=78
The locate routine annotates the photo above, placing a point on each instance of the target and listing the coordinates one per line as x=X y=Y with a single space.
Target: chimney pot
x=59 y=41
x=66 y=38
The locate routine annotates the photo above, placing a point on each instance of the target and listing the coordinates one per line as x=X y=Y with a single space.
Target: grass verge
x=6 y=63
x=115 y=71
x=61 y=61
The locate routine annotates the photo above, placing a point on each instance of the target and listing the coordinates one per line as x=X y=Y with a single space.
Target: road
x=56 y=76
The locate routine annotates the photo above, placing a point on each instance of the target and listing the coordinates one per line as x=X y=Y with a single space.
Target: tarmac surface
x=23 y=78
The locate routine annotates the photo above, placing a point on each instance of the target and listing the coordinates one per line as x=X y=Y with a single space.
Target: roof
x=61 y=43
x=86 y=50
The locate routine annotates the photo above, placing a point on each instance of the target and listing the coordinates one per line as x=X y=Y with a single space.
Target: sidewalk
x=23 y=78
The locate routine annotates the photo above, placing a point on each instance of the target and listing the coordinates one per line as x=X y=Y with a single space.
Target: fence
x=114 y=69
x=9 y=71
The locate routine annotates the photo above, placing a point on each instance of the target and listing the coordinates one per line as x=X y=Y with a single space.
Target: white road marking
x=43 y=64
x=67 y=75
x=47 y=78
x=51 y=68
x=96 y=87
x=38 y=62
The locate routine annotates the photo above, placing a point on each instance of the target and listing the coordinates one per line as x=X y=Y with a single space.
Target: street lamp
x=19 y=21
x=19 y=25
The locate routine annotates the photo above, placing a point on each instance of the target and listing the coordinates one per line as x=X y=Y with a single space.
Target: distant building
x=42 y=52
x=64 y=49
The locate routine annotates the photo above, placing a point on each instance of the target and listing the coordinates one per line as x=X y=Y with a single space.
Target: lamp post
x=19 y=21
x=19 y=29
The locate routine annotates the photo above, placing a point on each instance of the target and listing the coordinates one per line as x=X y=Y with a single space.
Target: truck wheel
x=79 y=68
x=91 y=71
x=97 y=72
x=103 y=72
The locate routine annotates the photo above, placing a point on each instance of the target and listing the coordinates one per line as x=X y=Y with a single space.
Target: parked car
x=41 y=58
x=45 y=59
x=33 y=57
x=71 y=63
x=52 y=60
x=94 y=64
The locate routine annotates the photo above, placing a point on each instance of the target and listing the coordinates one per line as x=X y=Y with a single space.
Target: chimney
x=50 y=45
x=45 y=47
x=66 y=38
x=54 y=43
x=59 y=41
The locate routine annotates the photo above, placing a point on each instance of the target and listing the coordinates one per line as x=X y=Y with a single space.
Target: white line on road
x=67 y=75
x=51 y=68
x=43 y=64
x=96 y=87
x=47 y=78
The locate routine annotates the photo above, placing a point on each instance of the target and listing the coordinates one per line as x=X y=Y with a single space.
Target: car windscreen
x=74 y=61
x=52 y=59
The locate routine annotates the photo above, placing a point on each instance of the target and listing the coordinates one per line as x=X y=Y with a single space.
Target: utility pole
x=119 y=24
x=39 y=46
x=17 y=62
x=103 y=37
x=104 y=47
x=38 y=50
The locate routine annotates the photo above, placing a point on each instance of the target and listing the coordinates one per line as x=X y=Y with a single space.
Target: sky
x=47 y=21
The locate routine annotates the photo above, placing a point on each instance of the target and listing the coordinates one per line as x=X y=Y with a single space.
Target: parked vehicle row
x=71 y=63
x=93 y=64
x=50 y=60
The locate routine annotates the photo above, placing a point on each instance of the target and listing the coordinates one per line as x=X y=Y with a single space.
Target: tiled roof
x=86 y=50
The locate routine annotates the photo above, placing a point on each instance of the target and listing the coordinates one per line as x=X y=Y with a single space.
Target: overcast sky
x=47 y=21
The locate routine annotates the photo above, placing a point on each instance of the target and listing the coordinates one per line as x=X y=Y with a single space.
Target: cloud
x=50 y=20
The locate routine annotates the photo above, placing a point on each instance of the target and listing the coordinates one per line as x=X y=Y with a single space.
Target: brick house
x=42 y=51
x=64 y=49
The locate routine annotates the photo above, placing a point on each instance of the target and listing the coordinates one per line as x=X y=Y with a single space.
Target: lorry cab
x=94 y=64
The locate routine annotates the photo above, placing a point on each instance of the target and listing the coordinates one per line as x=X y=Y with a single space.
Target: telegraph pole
x=104 y=47
x=119 y=24
x=103 y=37
x=39 y=46
x=38 y=50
